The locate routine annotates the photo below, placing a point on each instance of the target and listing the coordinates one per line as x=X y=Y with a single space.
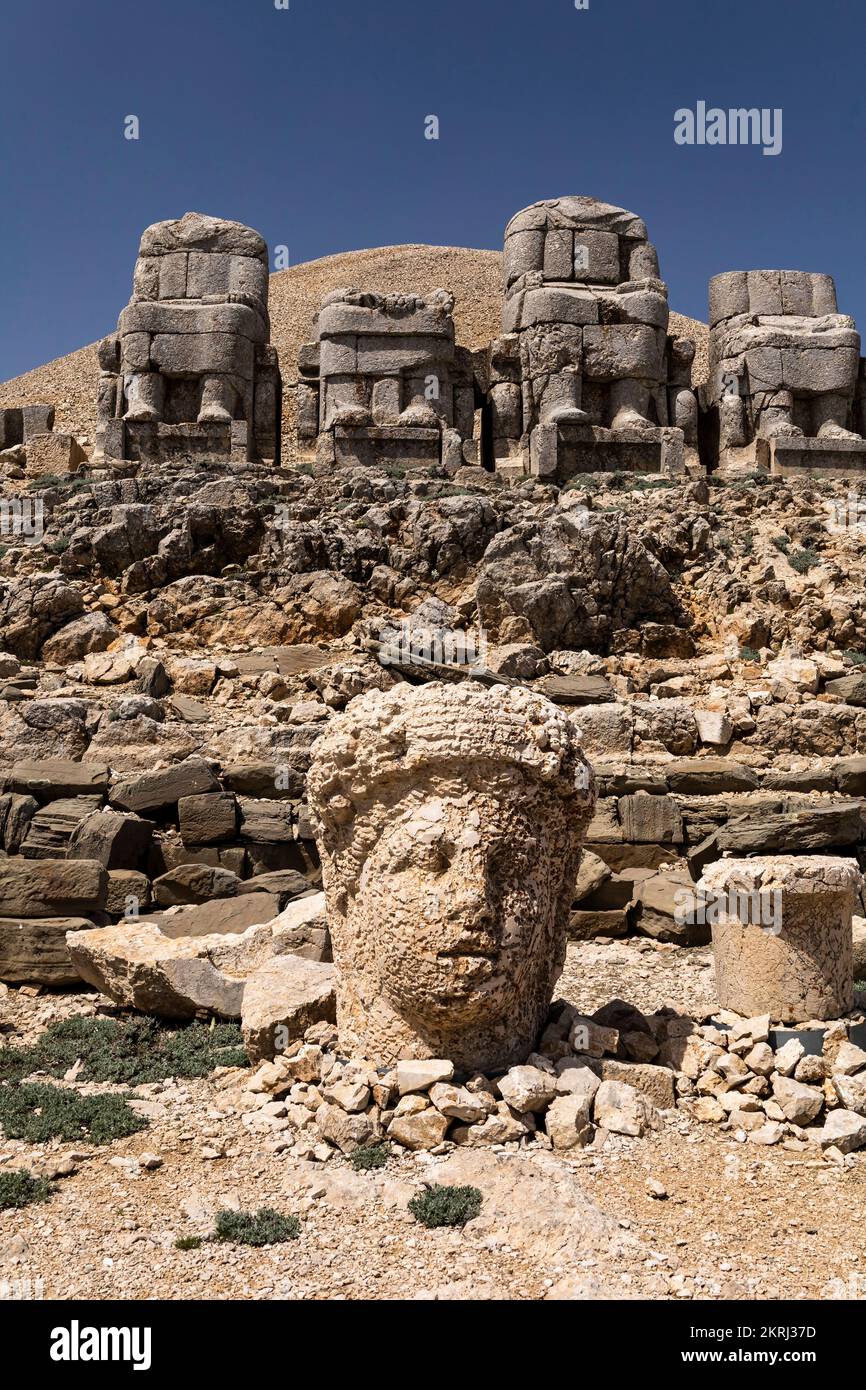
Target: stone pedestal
x=826 y=458
x=150 y=442
x=561 y=452
x=782 y=936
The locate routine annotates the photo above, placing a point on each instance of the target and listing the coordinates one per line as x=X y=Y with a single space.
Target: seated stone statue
x=449 y=821
x=192 y=344
x=386 y=382
x=783 y=361
x=585 y=323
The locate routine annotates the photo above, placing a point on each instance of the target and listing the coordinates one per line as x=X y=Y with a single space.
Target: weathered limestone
x=782 y=934
x=281 y=1000
x=190 y=368
x=449 y=820
x=174 y=966
x=30 y=429
x=385 y=383
x=783 y=374
x=585 y=377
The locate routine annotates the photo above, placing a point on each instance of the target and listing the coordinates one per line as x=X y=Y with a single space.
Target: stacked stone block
x=784 y=370
x=386 y=383
x=190 y=368
x=585 y=378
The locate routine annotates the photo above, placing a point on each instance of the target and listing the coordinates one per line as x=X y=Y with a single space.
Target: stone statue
x=385 y=382
x=450 y=821
x=783 y=369
x=585 y=321
x=191 y=348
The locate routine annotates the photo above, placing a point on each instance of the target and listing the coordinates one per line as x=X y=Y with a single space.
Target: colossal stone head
x=449 y=820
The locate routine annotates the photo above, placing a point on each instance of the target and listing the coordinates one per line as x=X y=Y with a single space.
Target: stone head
x=449 y=820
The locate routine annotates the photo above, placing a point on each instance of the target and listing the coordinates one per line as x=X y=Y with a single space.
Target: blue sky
x=308 y=124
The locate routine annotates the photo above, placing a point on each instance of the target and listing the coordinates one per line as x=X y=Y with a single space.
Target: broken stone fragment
x=621 y=1109
x=282 y=999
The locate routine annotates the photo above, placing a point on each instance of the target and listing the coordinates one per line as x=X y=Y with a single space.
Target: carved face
x=455 y=913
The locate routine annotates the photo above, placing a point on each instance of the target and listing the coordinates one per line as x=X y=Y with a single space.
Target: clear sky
x=308 y=123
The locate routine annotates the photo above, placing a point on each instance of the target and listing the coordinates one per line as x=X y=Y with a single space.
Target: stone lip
x=791 y=873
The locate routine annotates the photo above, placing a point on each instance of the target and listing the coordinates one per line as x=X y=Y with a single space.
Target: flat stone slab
x=49 y=779
x=831 y=458
x=141 y=967
x=561 y=452
x=33 y=950
x=282 y=1000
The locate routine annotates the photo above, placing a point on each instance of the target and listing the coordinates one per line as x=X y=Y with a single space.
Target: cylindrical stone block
x=782 y=936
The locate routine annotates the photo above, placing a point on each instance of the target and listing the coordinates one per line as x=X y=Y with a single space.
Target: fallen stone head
x=450 y=821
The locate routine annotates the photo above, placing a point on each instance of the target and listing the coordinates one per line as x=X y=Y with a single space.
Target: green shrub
x=856 y=658
x=18 y=1189
x=188 y=1243
x=747 y=542
x=803 y=560
x=38 y=1113
x=782 y=542
x=263 y=1227
x=128 y=1051
x=749 y=654
x=446 y=1206
x=370 y=1156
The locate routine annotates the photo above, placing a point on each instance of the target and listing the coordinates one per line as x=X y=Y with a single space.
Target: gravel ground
x=473 y=277
x=727 y=1228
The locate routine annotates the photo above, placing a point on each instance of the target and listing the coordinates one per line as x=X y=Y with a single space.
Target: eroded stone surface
x=798 y=965
x=449 y=821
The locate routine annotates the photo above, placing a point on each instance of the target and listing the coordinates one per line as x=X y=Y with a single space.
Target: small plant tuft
x=188 y=1243
x=263 y=1227
x=128 y=1051
x=19 y=1188
x=38 y=1113
x=446 y=1206
x=749 y=654
x=370 y=1156
x=803 y=560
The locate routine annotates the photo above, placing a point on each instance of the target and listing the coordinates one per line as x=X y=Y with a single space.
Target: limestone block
x=596 y=257
x=207 y=273
x=192 y=318
x=524 y=252
x=36 y=419
x=51 y=887
x=798 y=966
x=33 y=950
x=523 y=310
x=172 y=276
x=559 y=254
x=612 y=351
x=200 y=353
x=50 y=455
